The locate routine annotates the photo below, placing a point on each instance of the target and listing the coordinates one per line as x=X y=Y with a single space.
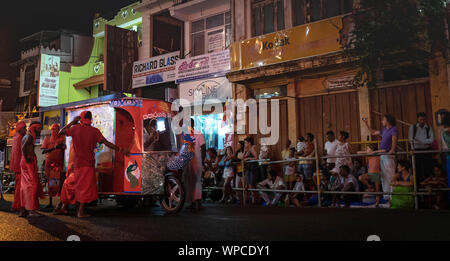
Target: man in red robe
x=53 y=146
x=30 y=185
x=16 y=156
x=84 y=140
x=68 y=189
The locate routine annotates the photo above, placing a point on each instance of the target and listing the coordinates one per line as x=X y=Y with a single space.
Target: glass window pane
x=198 y=44
x=268 y=18
x=280 y=15
x=315 y=10
x=214 y=21
x=299 y=12
x=256 y=22
x=227 y=36
x=333 y=8
x=198 y=26
x=228 y=18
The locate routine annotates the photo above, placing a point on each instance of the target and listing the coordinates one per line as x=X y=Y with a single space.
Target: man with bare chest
x=30 y=186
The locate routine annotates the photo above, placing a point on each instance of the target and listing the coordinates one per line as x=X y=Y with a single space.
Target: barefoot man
x=53 y=146
x=68 y=188
x=16 y=156
x=84 y=141
x=30 y=186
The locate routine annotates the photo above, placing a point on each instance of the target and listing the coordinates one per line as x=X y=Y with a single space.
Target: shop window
x=268 y=16
x=211 y=34
x=29 y=78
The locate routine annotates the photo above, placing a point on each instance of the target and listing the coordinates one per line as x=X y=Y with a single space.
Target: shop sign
x=216 y=40
x=295 y=43
x=49 y=80
x=155 y=70
x=342 y=82
x=209 y=90
x=203 y=66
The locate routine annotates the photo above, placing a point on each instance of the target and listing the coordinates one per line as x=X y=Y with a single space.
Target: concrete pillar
x=145 y=49
x=288 y=14
x=364 y=111
x=293 y=116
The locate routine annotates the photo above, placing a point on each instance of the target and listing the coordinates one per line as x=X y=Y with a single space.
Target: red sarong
x=68 y=190
x=85 y=185
x=17 y=204
x=30 y=187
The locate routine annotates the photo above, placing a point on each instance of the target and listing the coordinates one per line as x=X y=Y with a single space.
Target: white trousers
x=387 y=163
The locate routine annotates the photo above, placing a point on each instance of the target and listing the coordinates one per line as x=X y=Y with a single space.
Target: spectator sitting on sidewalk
x=297 y=196
x=402 y=182
x=275 y=182
x=437 y=181
x=372 y=178
x=335 y=185
x=349 y=184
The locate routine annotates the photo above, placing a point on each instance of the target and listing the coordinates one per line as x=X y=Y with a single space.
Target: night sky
x=22 y=18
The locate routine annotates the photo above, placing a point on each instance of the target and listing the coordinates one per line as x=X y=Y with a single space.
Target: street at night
x=235 y=127
x=229 y=223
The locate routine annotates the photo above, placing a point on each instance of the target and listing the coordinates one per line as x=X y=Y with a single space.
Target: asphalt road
x=225 y=222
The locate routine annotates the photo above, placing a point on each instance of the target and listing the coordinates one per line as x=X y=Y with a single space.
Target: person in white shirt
x=349 y=184
x=294 y=196
x=275 y=182
x=301 y=144
x=421 y=137
x=330 y=149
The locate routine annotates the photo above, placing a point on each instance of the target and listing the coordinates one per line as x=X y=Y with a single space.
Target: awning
x=89 y=82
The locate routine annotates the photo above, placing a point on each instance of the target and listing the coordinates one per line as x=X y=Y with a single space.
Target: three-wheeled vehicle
x=143 y=127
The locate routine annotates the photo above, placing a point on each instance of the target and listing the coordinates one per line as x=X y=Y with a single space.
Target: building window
x=29 y=78
x=268 y=16
x=305 y=11
x=211 y=34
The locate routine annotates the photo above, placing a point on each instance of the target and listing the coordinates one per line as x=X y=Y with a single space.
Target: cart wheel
x=174 y=195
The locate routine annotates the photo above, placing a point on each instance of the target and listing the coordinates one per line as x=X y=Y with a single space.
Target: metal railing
x=409 y=153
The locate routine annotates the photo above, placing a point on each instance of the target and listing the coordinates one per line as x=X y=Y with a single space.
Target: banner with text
x=49 y=80
x=295 y=43
x=203 y=66
x=155 y=70
x=215 y=88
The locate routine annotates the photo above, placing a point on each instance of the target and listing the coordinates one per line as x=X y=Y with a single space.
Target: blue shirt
x=386 y=138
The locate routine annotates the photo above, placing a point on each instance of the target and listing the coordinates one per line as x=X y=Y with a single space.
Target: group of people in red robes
x=79 y=186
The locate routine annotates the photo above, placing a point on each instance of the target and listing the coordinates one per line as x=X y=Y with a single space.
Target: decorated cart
x=144 y=128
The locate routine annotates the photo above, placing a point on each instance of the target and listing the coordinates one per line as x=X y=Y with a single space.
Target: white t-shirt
x=330 y=148
x=351 y=179
x=301 y=146
x=299 y=186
